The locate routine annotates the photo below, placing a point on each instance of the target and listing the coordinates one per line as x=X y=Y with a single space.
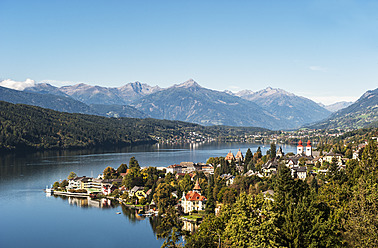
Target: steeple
x=300 y=147
x=309 y=149
x=197 y=187
x=239 y=156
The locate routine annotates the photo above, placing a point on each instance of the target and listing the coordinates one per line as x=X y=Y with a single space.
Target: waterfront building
x=193 y=200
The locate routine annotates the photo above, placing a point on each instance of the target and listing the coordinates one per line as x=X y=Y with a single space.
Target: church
x=301 y=150
x=193 y=200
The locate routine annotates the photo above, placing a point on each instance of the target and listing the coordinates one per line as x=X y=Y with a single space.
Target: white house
x=193 y=200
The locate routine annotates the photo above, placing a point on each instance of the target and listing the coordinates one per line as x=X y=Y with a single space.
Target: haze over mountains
x=362 y=113
x=269 y=108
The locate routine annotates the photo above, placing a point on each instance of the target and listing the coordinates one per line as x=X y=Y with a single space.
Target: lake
x=31 y=219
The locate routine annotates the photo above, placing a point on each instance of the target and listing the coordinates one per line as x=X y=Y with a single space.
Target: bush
x=142 y=201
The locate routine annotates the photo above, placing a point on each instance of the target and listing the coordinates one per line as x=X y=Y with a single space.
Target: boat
x=49 y=190
x=118 y=212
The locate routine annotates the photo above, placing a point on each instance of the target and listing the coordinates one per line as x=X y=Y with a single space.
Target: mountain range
x=269 y=108
x=362 y=113
x=336 y=106
x=290 y=108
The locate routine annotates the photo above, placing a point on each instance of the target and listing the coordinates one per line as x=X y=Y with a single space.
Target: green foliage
x=56 y=185
x=170 y=229
x=133 y=163
x=133 y=178
x=122 y=168
x=72 y=175
x=273 y=150
x=248 y=156
x=110 y=173
x=163 y=197
x=63 y=184
x=34 y=128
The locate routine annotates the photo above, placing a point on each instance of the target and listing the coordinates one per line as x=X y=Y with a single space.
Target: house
x=75 y=183
x=280 y=153
x=228 y=178
x=174 y=168
x=91 y=183
x=187 y=167
x=270 y=167
x=299 y=172
x=230 y=157
x=193 y=200
x=107 y=185
x=208 y=169
x=137 y=192
x=107 y=188
x=331 y=156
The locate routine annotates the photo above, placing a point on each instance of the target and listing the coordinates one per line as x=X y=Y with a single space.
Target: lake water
x=28 y=218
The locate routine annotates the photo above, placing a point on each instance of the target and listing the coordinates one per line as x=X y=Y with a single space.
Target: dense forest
x=34 y=128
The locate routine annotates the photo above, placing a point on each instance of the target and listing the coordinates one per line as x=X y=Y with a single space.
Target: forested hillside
x=31 y=127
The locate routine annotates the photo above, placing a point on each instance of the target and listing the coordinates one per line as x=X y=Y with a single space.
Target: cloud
x=16 y=85
x=317 y=68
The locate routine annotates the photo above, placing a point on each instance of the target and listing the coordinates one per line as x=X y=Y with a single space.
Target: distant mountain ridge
x=337 y=106
x=89 y=94
x=64 y=103
x=193 y=103
x=288 y=107
x=362 y=113
x=189 y=101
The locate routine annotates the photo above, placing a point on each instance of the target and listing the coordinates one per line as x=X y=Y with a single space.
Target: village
x=188 y=186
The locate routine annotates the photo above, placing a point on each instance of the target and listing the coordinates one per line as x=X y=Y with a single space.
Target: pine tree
x=248 y=156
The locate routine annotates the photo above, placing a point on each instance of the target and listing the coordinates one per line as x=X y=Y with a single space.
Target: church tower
x=197 y=188
x=300 y=147
x=308 y=149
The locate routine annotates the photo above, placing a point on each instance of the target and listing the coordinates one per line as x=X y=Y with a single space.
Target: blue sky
x=324 y=50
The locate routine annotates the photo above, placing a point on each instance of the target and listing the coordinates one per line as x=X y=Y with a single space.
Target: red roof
x=230 y=156
x=308 y=143
x=194 y=196
x=300 y=143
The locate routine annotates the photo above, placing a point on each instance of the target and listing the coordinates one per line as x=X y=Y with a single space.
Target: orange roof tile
x=194 y=196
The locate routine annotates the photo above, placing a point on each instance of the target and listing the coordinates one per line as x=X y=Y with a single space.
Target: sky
x=324 y=50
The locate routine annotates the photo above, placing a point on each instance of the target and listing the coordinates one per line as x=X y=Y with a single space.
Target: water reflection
x=87 y=202
x=131 y=214
x=190 y=226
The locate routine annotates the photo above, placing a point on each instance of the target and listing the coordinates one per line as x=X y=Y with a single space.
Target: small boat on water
x=49 y=190
x=118 y=212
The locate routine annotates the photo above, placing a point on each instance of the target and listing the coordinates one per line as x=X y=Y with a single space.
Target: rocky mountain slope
x=268 y=108
x=55 y=102
x=364 y=112
x=191 y=102
x=336 y=106
x=89 y=94
x=64 y=103
x=288 y=107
